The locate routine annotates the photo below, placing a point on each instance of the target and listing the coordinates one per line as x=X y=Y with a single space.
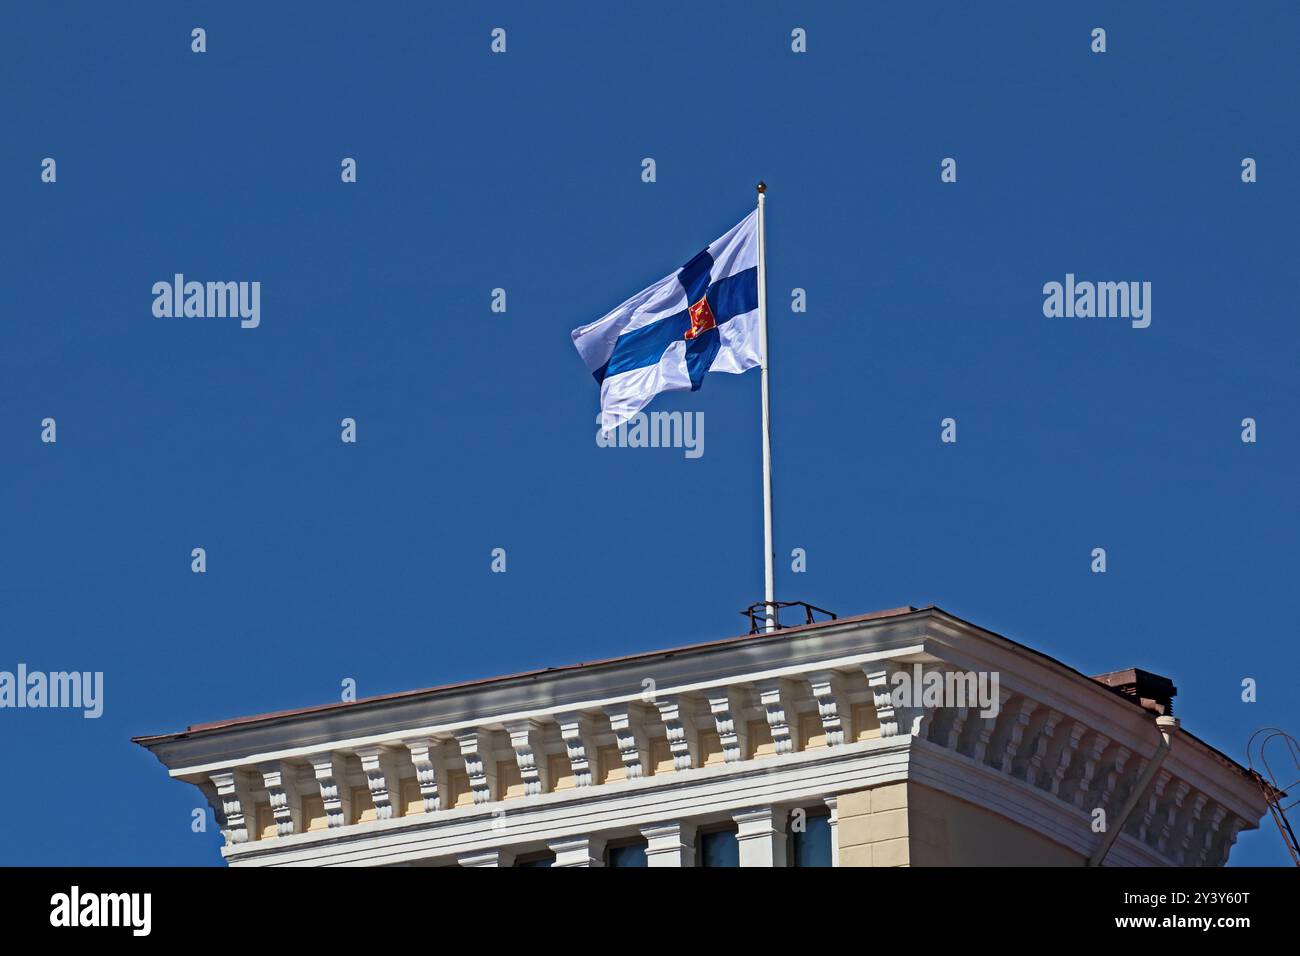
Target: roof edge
x=314 y=709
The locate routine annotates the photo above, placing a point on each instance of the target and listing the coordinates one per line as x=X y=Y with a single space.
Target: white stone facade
x=739 y=732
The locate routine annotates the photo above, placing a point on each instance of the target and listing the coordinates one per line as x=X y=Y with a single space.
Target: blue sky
x=476 y=430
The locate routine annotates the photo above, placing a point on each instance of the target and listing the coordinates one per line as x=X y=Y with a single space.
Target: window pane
x=543 y=861
x=633 y=855
x=813 y=846
x=719 y=849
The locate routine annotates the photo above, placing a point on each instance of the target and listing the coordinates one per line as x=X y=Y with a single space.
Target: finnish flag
x=702 y=318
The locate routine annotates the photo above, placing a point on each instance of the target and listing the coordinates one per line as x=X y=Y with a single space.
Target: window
x=719 y=848
x=536 y=859
x=630 y=854
x=812 y=847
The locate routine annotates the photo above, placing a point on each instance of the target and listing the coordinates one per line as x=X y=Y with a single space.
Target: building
x=793 y=748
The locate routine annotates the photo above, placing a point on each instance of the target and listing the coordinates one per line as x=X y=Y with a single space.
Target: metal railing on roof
x=758 y=613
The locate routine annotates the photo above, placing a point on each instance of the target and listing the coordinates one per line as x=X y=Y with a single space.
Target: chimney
x=1151 y=691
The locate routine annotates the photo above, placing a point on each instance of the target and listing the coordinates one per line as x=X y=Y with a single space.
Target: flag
x=702 y=318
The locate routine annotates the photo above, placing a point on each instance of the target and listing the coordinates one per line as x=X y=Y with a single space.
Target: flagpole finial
x=762 y=187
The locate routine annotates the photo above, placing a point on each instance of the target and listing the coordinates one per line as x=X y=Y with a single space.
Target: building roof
x=788 y=633
x=521 y=675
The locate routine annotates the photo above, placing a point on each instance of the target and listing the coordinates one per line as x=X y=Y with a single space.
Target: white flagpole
x=769 y=555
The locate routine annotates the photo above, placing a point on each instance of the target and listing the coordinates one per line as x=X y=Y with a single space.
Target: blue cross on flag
x=703 y=318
